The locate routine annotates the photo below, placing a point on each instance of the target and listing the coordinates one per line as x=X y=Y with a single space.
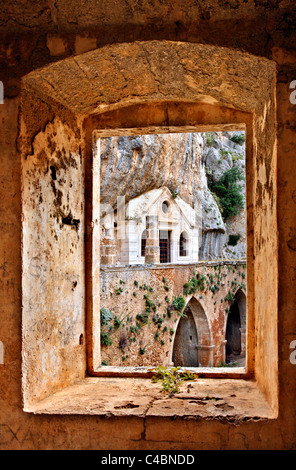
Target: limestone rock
x=134 y=165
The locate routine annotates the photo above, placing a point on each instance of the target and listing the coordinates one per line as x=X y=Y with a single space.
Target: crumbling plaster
x=264 y=30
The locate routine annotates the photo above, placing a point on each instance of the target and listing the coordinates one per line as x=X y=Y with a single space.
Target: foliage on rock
x=228 y=191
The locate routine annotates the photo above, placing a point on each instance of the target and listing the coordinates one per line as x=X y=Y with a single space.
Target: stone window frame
x=197 y=106
x=185 y=250
x=246 y=372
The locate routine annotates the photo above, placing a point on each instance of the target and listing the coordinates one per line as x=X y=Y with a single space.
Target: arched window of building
x=143 y=243
x=183 y=244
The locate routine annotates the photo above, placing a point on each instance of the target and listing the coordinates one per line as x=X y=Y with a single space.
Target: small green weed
x=171 y=378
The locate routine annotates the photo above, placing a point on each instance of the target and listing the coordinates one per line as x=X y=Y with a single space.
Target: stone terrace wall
x=148 y=340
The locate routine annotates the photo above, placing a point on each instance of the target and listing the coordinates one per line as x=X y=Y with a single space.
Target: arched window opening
x=143 y=243
x=183 y=248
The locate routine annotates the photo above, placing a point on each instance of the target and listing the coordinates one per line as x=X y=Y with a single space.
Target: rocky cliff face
x=224 y=154
x=186 y=164
x=131 y=166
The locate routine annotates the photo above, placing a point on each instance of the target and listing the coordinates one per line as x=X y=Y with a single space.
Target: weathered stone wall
x=141 y=299
x=164 y=113
x=33 y=36
x=53 y=289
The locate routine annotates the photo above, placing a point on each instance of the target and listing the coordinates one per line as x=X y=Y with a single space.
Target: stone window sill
x=226 y=399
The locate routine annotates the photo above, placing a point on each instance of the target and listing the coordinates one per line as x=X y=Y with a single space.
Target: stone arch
x=192 y=345
x=235 y=330
x=92 y=94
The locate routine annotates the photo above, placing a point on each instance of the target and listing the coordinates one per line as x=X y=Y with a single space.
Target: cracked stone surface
x=208 y=398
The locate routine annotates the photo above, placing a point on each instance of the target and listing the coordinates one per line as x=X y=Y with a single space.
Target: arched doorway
x=236 y=330
x=192 y=345
x=185 y=353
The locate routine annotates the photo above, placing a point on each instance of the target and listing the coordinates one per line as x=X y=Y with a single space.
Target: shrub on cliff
x=229 y=191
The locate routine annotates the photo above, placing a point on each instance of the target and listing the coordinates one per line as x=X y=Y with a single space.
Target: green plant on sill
x=171 y=378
